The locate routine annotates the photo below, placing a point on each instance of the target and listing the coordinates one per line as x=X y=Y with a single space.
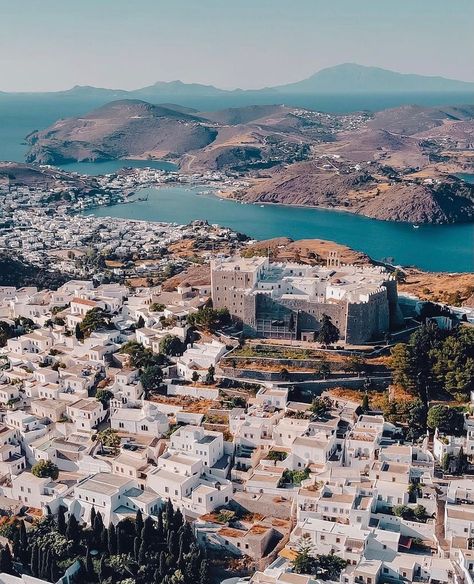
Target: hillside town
x=151 y=435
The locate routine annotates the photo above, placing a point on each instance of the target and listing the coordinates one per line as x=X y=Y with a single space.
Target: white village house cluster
x=80 y=402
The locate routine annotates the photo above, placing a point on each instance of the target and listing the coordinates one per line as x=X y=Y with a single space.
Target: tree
x=61 y=520
x=208 y=319
x=447 y=420
x=365 y=405
x=284 y=374
x=6 y=561
x=356 y=364
x=104 y=396
x=195 y=377
x=171 y=345
x=460 y=462
x=45 y=468
x=138 y=523
x=103 y=570
x=329 y=567
x=34 y=561
x=89 y=566
x=109 y=438
x=111 y=539
x=6 y=332
x=446 y=462
x=141 y=357
x=23 y=543
x=140 y=322
x=304 y=561
x=417 y=414
x=78 y=333
x=321 y=406
x=72 y=529
x=323 y=369
x=402 y=511
x=151 y=378
x=419 y=512
x=98 y=528
x=92 y=516
x=210 y=375
x=204 y=572
x=328 y=333
x=94 y=319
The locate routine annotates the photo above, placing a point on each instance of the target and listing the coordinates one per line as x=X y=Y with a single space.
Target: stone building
x=288 y=300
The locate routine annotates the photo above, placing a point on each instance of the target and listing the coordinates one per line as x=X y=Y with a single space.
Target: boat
x=416 y=226
x=262 y=205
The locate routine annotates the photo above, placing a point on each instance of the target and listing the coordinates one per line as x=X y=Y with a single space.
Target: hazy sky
x=55 y=44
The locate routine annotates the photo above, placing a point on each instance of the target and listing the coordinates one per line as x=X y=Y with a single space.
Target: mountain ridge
x=344 y=78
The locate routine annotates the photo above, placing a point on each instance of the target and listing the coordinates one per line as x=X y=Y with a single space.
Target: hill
x=121 y=129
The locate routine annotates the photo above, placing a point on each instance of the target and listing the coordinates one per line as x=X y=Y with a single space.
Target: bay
x=444 y=248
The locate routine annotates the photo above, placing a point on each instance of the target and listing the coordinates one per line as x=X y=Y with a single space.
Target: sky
x=48 y=45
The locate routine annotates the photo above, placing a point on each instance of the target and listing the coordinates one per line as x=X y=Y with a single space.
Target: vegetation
x=209 y=319
x=141 y=357
x=45 y=468
x=321 y=406
x=417 y=513
x=141 y=551
x=94 y=319
x=328 y=332
x=435 y=360
x=447 y=420
x=171 y=345
x=276 y=455
x=104 y=396
x=293 y=477
x=109 y=438
x=322 y=566
x=151 y=378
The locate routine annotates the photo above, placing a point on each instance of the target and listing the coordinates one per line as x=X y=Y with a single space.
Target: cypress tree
x=103 y=569
x=53 y=569
x=104 y=540
x=34 y=561
x=173 y=544
x=42 y=556
x=46 y=565
x=169 y=513
x=136 y=547
x=6 y=561
x=61 y=520
x=178 y=519
x=188 y=536
x=142 y=554
x=160 y=529
x=138 y=523
x=163 y=567
x=194 y=563
x=182 y=551
x=92 y=516
x=72 y=529
x=148 y=532
x=112 y=540
x=98 y=528
x=89 y=566
x=204 y=572
x=157 y=576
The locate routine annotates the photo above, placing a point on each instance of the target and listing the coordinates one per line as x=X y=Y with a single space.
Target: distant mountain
x=353 y=78
x=348 y=78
